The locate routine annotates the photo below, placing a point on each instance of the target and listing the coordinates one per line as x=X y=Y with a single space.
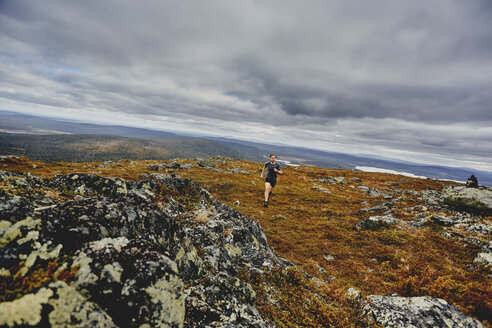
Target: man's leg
x=268 y=188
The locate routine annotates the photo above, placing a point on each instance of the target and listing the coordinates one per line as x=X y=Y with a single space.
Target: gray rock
x=354 y=294
x=480 y=228
x=322 y=189
x=376 y=222
x=431 y=197
x=329 y=258
x=419 y=223
x=332 y=180
x=374 y=193
x=240 y=171
x=378 y=208
x=475 y=199
x=408 y=312
x=411 y=192
x=484 y=257
x=355 y=179
x=473 y=241
x=206 y=163
x=442 y=220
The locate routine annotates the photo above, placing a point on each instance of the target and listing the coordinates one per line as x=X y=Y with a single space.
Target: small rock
x=376 y=222
x=329 y=258
x=354 y=294
x=395 y=311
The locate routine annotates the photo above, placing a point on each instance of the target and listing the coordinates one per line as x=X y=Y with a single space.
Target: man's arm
x=279 y=171
x=263 y=171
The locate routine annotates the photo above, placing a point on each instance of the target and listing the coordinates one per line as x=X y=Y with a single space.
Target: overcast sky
x=403 y=79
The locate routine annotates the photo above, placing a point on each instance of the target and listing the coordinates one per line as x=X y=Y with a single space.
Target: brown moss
x=41 y=275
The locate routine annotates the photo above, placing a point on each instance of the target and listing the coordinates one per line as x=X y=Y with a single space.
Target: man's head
x=273 y=157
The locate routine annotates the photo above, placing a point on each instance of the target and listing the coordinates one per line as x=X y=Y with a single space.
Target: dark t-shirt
x=271 y=174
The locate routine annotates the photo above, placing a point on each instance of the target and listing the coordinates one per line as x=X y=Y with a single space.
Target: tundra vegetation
x=378 y=233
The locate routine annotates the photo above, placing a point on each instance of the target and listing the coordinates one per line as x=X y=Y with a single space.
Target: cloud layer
x=410 y=80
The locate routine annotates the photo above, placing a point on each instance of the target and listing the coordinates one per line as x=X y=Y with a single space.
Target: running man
x=271 y=178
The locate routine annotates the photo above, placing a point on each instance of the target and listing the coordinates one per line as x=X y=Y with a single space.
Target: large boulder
x=472 y=199
x=415 y=312
x=152 y=253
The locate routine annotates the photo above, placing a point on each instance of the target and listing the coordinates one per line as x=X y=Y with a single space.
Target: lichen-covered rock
x=71 y=309
x=14 y=208
x=407 y=312
x=484 y=257
x=431 y=197
x=152 y=253
x=91 y=185
x=474 y=199
x=448 y=221
x=480 y=228
x=376 y=222
x=25 y=311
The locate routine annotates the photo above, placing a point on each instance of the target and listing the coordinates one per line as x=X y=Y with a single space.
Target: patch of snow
x=379 y=170
x=288 y=163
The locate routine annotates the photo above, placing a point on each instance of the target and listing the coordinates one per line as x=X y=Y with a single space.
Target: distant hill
x=29 y=124
x=91 y=147
x=305 y=156
x=181 y=145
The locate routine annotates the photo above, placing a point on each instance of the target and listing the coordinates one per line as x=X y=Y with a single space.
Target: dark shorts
x=272 y=182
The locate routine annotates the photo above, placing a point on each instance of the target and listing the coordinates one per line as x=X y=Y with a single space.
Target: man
x=271 y=178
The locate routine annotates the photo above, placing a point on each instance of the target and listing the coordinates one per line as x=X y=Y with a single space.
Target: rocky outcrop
x=472 y=182
x=406 y=312
x=474 y=199
x=158 y=253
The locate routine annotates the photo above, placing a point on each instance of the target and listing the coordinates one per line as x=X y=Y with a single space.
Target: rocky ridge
x=158 y=252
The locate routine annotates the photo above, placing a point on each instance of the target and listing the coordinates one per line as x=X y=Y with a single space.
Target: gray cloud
x=335 y=72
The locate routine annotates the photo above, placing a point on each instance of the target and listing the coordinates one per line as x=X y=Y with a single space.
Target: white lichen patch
x=5 y=272
x=180 y=254
x=25 y=310
x=255 y=241
x=4 y=225
x=122 y=189
x=13 y=231
x=31 y=235
x=168 y=298
x=113 y=271
x=84 y=274
x=116 y=243
x=71 y=309
x=233 y=250
x=40 y=251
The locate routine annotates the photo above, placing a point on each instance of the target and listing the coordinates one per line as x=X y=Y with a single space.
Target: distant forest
x=97 y=148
